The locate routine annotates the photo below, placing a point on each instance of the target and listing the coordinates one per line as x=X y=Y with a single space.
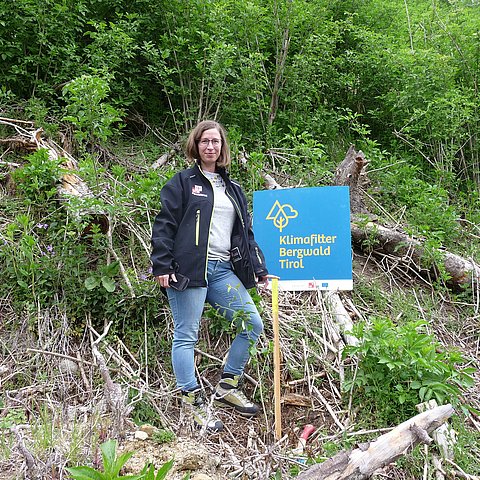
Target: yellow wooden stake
x=276 y=359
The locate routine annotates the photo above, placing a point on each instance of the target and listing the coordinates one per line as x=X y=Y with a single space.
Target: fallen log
x=412 y=252
x=342 y=321
x=31 y=140
x=166 y=157
x=444 y=437
x=362 y=462
x=71 y=185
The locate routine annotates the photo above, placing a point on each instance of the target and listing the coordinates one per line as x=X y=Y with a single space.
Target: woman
x=203 y=250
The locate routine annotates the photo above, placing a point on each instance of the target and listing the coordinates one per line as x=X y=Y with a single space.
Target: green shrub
x=428 y=208
x=163 y=436
x=88 y=110
x=400 y=366
x=37 y=179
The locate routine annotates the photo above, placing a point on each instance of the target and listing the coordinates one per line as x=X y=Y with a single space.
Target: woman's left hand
x=164 y=280
x=263 y=281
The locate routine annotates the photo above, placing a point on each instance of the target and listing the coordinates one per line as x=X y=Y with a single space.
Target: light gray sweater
x=223 y=218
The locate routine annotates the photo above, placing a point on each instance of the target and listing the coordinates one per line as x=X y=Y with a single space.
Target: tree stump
x=349 y=173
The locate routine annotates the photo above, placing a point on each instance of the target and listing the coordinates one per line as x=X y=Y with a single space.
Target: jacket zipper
x=209 y=227
x=197 y=227
x=237 y=208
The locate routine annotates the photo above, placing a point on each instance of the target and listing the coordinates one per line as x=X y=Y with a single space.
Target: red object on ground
x=302 y=441
x=307 y=431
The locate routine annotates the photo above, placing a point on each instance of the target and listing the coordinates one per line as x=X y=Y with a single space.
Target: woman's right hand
x=164 y=280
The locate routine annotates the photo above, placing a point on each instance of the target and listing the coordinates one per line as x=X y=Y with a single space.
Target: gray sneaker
x=228 y=393
x=203 y=416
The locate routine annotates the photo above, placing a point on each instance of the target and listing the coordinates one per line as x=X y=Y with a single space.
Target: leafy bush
x=88 y=110
x=428 y=206
x=163 y=436
x=37 y=179
x=400 y=366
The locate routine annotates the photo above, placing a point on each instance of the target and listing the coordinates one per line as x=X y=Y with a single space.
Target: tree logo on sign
x=281 y=214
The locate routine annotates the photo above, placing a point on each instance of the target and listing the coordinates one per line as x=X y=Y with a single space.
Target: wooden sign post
x=276 y=359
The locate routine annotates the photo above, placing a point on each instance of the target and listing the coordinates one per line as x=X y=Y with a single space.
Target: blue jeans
x=226 y=294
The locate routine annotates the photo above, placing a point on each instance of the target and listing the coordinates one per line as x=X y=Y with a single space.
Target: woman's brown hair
x=191 y=147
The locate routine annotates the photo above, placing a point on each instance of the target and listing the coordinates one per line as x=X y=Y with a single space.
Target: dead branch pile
x=67 y=382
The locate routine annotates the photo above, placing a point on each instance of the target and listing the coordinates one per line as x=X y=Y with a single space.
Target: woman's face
x=209 y=148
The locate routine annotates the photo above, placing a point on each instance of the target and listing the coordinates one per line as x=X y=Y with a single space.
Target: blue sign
x=305 y=236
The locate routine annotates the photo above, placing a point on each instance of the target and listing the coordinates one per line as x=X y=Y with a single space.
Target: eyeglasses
x=215 y=143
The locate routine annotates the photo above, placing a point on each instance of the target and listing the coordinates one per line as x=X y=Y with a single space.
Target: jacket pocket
x=197 y=227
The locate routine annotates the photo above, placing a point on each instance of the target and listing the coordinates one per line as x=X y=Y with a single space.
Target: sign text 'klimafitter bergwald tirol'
x=305 y=236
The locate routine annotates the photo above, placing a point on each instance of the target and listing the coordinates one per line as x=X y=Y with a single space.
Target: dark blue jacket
x=180 y=233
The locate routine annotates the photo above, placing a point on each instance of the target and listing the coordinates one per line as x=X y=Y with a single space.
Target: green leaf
x=108 y=284
x=165 y=468
x=85 y=473
x=148 y=472
x=91 y=283
x=120 y=462
x=422 y=392
x=109 y=453
x=111 y=269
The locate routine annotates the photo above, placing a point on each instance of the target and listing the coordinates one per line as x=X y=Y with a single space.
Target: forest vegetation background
x=119 y=83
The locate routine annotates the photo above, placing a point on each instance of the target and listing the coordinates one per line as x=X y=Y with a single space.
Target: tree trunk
x=281 y=59
x=412 y=253
x=362 y=462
